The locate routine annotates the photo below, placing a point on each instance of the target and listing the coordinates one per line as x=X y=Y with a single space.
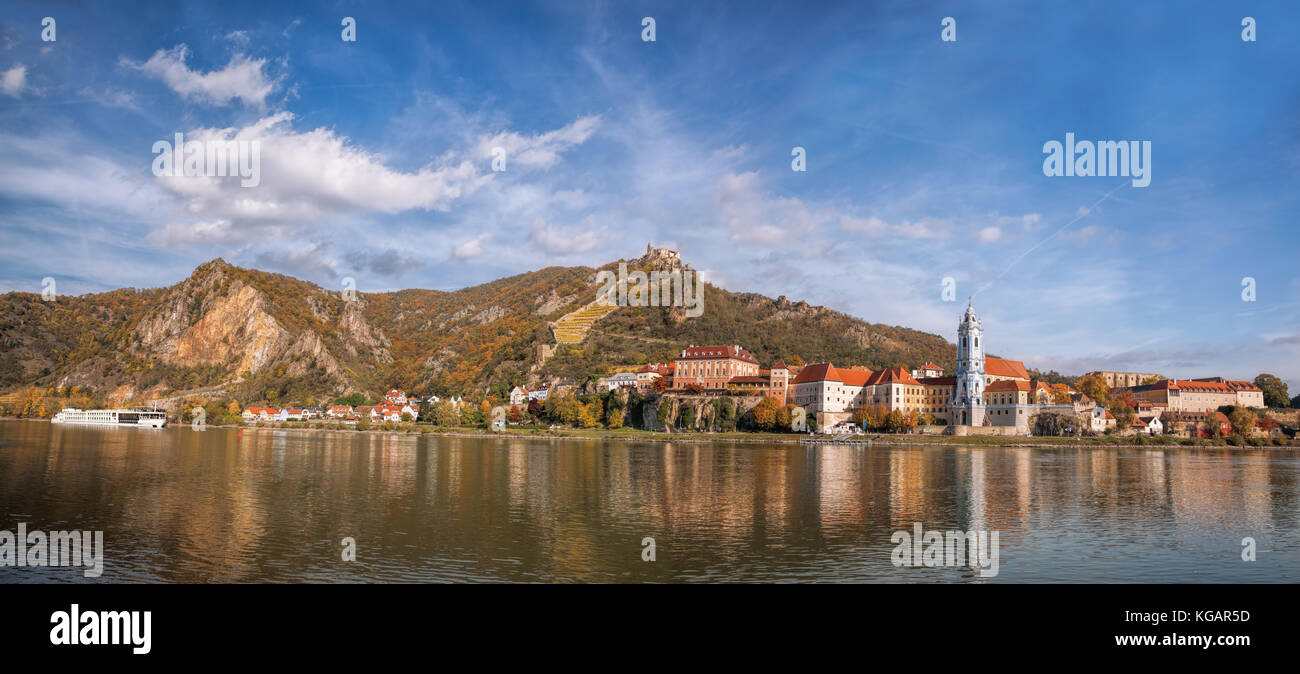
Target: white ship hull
x=128 y=418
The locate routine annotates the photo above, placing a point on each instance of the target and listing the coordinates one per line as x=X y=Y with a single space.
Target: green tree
x=1275 y=393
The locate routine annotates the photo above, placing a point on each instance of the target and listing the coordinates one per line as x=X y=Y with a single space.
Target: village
x=985 y=395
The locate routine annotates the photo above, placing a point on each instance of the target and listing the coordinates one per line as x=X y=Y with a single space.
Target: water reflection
x=272 y=506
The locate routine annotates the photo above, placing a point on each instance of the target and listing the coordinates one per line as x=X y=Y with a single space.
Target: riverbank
x=884 y=440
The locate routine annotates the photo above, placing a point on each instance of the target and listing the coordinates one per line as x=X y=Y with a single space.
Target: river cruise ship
x=141 y=416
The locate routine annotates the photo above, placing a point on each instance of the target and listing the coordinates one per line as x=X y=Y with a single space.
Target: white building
x=967 y=405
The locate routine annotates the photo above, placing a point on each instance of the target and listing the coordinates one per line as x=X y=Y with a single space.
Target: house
x=260 y=413
x=646 y=376
x=620 y=380
x=1099 y=419
x=396 y=397
x=393 y=412
x=927 y=370
x=518 y=395
x=291 y=414
x=1148 y=425
x=313 y=412
x=339 y=411
x=365 y=412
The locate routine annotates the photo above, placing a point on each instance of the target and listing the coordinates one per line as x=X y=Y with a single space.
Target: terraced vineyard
x=572 y=328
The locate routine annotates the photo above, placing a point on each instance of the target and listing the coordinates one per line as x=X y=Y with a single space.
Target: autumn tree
x=1213 y=425
x=1242 y=420
x=910 y=419
x=764 y=415
x=862 y=417
x=1123 y=413
x=1095 y=387
x=588 y=416
x=894 y=421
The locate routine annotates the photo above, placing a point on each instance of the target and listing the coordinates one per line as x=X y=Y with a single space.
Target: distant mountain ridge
x=260 y=335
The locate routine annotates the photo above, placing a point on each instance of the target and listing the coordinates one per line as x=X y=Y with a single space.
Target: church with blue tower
x=967 y=405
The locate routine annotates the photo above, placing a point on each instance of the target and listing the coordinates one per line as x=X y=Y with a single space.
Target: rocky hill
x=255 y=335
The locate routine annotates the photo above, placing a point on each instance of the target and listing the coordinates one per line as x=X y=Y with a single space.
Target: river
x=232 y=505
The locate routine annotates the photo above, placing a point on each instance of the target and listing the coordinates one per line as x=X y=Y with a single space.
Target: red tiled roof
x=892 y=375
x=929 y=366
x=1002 y=385
x=779 y=365
x=816 y=372
x=1000 y=367
x=856 y=376
x=704 y=352
x=938 y=381
x=1195 y=386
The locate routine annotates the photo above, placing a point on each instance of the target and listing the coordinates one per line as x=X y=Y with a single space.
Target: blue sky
x=924 y=157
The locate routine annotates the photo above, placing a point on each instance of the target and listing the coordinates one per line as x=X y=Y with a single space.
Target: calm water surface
x=223 y=505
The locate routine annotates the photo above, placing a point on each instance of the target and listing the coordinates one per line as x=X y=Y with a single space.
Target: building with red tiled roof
x=260 y=413
x=711 y=367
x=832 y=394
x=647 y=374
x=1248 y=394
x=1188 y=395
x=996 y=369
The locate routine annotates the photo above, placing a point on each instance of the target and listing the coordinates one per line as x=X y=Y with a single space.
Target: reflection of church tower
x=967 y=406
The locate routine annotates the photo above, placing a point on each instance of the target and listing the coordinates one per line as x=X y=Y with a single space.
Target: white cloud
x=923 y=228
x=558 y=241
x=111 y=97
x=242 y=78
x=305 y=178
x=753 y=216
x=471 y=248
x=990 y=234
x=13 y=80
x=540 y=150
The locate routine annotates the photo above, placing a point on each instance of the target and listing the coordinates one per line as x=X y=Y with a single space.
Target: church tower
x=967 y=405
